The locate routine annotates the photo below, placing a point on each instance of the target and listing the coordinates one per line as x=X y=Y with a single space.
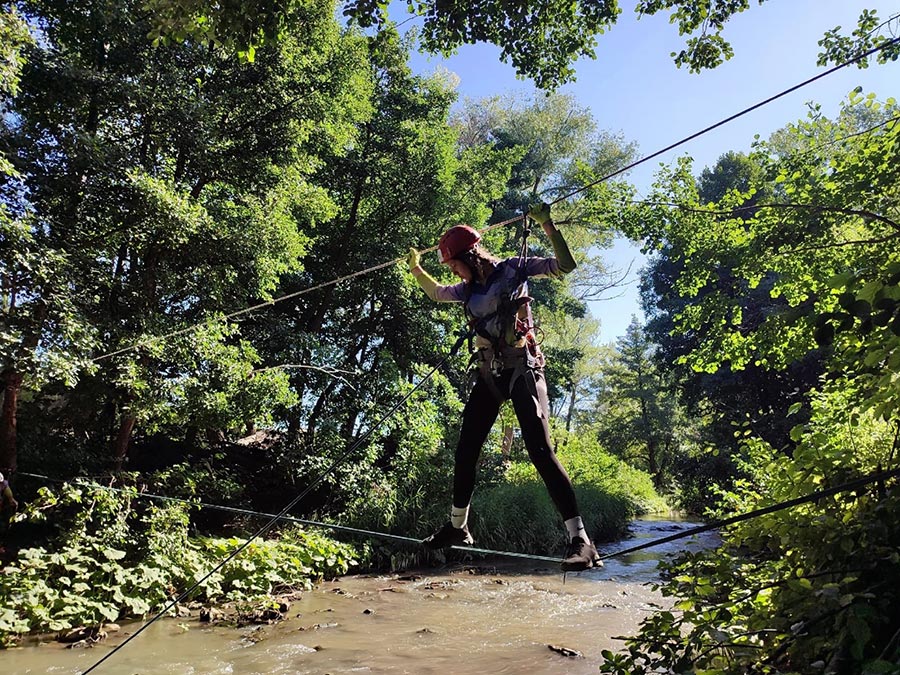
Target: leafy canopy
x=542 y=39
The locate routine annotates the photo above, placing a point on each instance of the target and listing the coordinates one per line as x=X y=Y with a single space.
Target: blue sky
x=633 y=87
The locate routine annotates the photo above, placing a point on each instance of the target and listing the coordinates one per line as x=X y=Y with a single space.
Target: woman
x=511 y=366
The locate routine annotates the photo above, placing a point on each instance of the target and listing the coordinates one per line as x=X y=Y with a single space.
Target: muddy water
x=465 y=619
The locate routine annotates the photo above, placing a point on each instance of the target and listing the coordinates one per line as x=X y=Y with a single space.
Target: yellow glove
x=539 y=213
x=413 y=258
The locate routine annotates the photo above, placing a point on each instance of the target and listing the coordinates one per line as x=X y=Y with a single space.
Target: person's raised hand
x=413 y=258
x=539 y=213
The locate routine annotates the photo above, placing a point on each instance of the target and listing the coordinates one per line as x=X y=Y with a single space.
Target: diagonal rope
x=731 y=118
x=275 y=301
x=811 y=497
x=296 y=500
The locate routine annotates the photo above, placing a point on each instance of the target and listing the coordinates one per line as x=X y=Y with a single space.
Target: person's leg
x=530 y=401
x=529 y=398
x=479 y=416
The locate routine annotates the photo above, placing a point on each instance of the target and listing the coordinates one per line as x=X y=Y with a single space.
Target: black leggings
x=529 y=398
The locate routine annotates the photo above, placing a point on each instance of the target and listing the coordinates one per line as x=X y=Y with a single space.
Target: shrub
x=519 y=515
x=113 y=556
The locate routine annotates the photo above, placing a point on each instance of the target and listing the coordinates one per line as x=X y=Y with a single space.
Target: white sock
x=575 y=527
x=459 y=516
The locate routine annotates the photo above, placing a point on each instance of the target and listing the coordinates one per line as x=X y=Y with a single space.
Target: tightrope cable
x=296 y=500
x=290 y=519
x=715 y=525
x=731 y=118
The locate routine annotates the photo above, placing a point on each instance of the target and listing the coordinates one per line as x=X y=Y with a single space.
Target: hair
x=480 y=261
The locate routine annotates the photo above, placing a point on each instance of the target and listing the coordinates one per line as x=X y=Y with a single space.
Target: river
x=468 y=618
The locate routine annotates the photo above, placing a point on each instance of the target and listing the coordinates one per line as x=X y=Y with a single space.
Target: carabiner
x=496 y=367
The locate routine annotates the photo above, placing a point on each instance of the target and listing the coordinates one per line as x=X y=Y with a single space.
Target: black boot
x=449 y=536
x=580 y=555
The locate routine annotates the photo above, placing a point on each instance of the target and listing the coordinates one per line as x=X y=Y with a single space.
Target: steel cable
x=728 y=119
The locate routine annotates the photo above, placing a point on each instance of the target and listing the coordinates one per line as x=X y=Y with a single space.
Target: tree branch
x=327 y=370
x=863 y=213
x=838 y=244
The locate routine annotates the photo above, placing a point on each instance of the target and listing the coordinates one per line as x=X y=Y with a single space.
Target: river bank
x=497 y=616
x=464 y=620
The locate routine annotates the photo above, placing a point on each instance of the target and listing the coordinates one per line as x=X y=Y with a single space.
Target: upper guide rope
x=617 y=172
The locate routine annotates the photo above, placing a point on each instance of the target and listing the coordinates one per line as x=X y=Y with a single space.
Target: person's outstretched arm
x=564 y=262
x=434 y=290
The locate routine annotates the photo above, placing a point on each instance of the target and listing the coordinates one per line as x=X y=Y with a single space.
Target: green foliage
x=809 y=588
x=869 y=33
x=739 y=291
x=542 y=39
x=220 y=388
x=243 y=31
x=14 y=37
x=217 y=485
x=708 y=49
x=402 y=485
x=819 y=253
x=112 y=556
x=640 y=418
x=733 y=171
x=157 y=188
x=813 y=271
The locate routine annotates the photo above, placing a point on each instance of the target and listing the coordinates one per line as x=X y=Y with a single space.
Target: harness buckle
x=496 y=366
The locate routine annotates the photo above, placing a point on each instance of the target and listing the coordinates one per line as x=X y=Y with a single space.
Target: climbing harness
x=509 y=327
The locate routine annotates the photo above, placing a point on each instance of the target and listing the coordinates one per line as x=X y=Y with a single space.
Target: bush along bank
x=518 y=514
x=106 y=556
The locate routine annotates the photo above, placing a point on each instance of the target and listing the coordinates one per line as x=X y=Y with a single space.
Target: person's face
x=460 y=269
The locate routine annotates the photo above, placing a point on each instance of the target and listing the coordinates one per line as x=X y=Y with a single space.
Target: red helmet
x=458 y=239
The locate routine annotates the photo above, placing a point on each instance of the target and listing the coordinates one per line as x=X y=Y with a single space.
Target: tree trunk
x=12 y=385
x=293 y=426
x=336 y=260
x=123 y=440
x=652 y=464
x=313 y=420
x=570 y=411
x=507 y=441
x=215 y=436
